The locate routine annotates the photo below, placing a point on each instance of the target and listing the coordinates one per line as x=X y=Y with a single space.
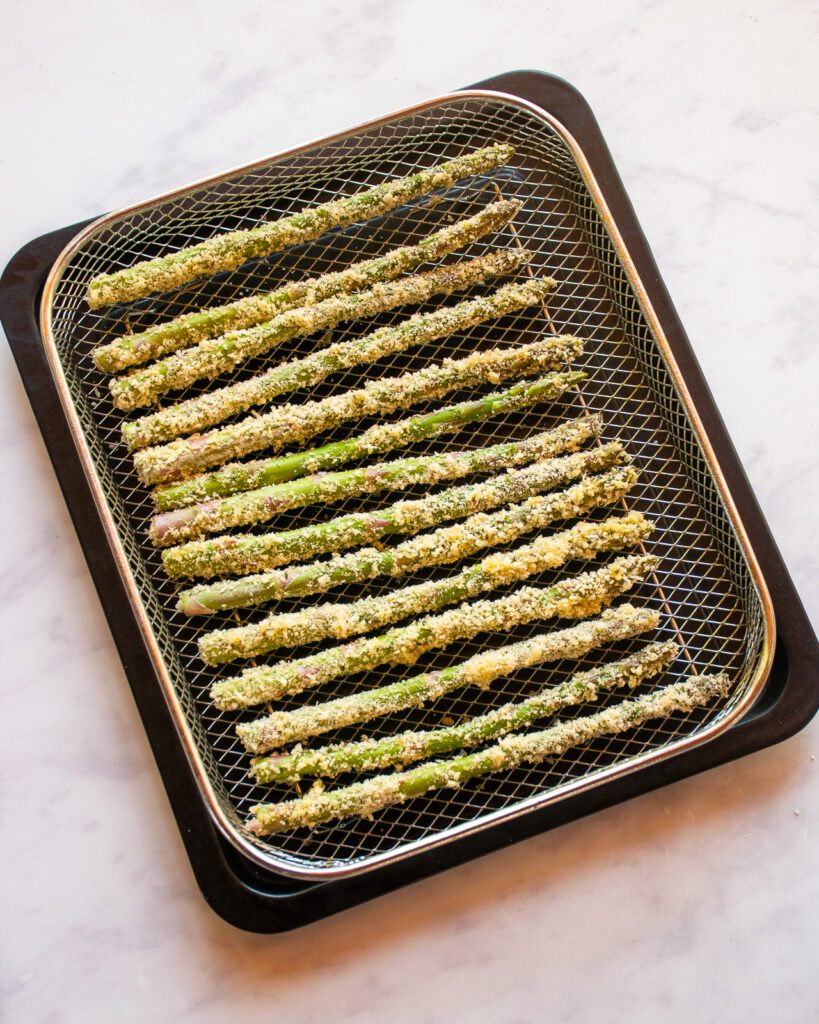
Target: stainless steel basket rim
x=278 y=860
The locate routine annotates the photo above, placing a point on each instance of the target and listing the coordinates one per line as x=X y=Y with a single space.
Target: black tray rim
x=261 y=900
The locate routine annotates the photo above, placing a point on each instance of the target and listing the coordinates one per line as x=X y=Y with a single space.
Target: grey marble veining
x=696 y=902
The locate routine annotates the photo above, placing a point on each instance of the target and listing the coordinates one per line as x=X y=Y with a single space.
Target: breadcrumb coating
x=365 y=798
x=249 y=553
x=184 y=331
x=404 y=647
x=294 y=424
x=229 y=250
x=403 y=749
x=214 y=356
x=583 y=541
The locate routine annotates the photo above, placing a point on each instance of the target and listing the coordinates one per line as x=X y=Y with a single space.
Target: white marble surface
x=696 y=902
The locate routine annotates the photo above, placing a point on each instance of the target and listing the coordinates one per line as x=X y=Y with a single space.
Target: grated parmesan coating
x=247 y=553
x=184 y=331
x=365 y=798
x=214 y=356
x=403 y=749
x=583 y=541
x=282 y=727
x=295 y=424
x=229 y=250
x=265 y=503
x=449 y=544
x=213 y=407
x=381 y=437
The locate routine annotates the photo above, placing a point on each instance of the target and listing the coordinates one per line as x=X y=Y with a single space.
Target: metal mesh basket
x=710 y=595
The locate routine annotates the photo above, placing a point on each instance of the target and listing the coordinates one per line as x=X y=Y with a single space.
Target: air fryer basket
x=708 y=588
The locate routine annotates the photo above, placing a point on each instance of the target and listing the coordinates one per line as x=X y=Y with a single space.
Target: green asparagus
x=382 y=437
x=265 y=503
x=576 y=598
x=283 y=727
x=249 y=553
x=295 y=424
x=214 y=356
x=365 y=798
x=403 y=749
x=583 y=541
x=187 y=330
x=230 y=250
x=446 y=545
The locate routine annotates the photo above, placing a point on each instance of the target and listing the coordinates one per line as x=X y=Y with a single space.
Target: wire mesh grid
x=703 y=587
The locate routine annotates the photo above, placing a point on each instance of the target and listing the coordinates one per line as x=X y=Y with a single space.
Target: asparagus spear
x=370 y=754
x=575 y=598
x=583 y=541
x=214 y=356
x=266 y=502
x=445 y=545
x=282 y=727
x=382 y=437
x=207 y=410
x=246 y=553
x=187 y=330
x=295 y=424
x=230 y=250
x=365 y=798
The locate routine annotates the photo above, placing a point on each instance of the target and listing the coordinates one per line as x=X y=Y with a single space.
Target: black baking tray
x=258 y=900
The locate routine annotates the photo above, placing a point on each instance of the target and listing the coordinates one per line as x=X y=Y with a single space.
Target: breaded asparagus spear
x=574 y=598
x=207 y=410
x=583 y=541
x=365 y=798
x=187 y=330
x=230 y=250
x=295 y=424
x=283 y=727
x=265 y=503
x=371 y=754
x=213 y=356
x=448 y=544
x=246 y=553
x=382 y=437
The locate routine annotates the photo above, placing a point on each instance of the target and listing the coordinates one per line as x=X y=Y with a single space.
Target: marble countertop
x=695 y=902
